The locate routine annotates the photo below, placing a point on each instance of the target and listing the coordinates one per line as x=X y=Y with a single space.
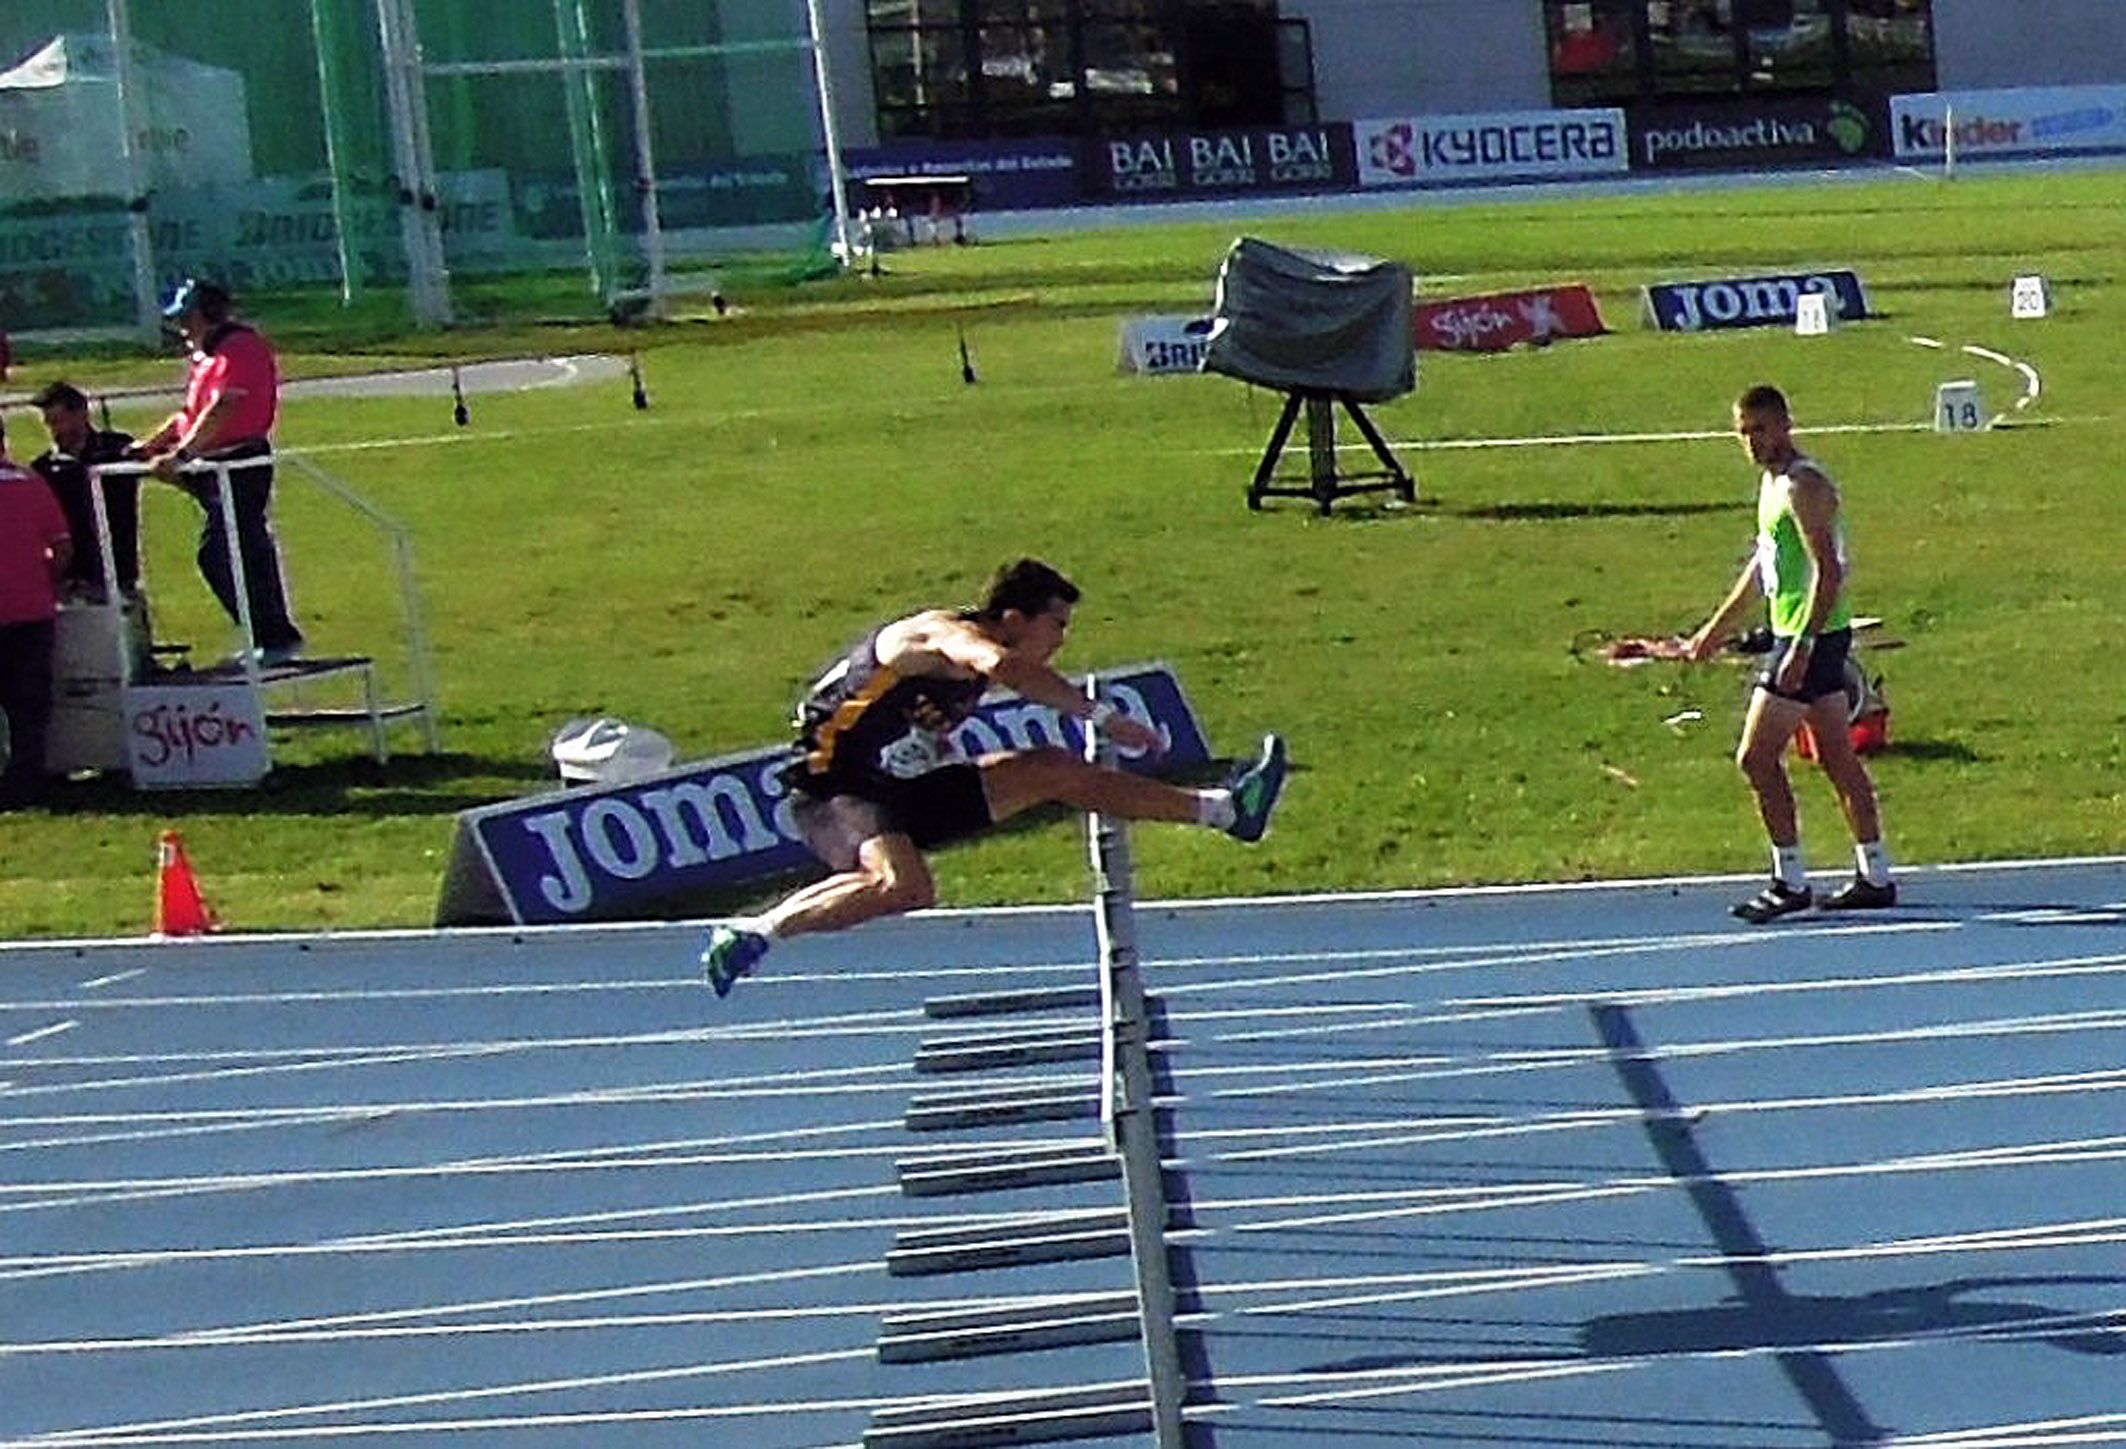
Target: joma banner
x=1751 y=301
x=622 y=851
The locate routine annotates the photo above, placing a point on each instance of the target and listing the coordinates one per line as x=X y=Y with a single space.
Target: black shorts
x=1826 y=672
x=934 y=808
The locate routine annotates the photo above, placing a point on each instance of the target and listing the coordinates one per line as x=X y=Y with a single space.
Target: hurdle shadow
x=1762 y=1299
x=1935 y=1309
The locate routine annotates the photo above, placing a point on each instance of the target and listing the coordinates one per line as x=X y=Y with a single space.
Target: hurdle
x=1127 y=1113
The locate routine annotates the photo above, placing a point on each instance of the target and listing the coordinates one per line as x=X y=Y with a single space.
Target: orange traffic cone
x=180 y=909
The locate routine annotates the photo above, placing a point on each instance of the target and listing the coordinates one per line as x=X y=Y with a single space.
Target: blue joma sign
x=1751 y=301
x=611 y=853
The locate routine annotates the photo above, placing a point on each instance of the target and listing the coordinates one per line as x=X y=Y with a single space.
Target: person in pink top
x=36 y=545
x=232 y=397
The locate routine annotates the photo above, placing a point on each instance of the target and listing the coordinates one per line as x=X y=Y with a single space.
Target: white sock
x=1788 y=868
x=758 y=925
x=1873 y=858
x=1215 y=809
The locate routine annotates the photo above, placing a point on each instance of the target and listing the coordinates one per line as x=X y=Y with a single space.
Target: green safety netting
x=254 y=141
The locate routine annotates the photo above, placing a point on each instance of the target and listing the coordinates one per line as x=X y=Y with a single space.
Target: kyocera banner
x=1751 y=301
x=1197 y=163
x=626 y=851
x=1757 y=131
x=1438 y=150
x=1501 y=320
x=2010 y=122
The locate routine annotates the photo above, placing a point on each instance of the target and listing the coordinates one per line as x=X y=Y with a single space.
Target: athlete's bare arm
x=940 y=642
x=1815 y=500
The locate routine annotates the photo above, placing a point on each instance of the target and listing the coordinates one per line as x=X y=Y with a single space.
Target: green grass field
x=814 y=462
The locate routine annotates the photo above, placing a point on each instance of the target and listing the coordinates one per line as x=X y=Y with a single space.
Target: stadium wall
x=1984 y=43
x=1388 y=57
x=1433 y=57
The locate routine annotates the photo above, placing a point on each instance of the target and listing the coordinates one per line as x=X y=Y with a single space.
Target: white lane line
x=1569 y=955
x=2108 y=964
x=230 y=1427
x=2032 y=383
x=97 y=983
x=322 y=1061
x=2031 y=1434
x=451 y=1315
x=300 y=1331
x=1380 y=1206
x=65 y=1265
x=121 y=1189
x=893 y=1125
x=57 y=1028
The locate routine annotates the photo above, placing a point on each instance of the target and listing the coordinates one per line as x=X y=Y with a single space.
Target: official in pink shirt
x=35 y=547
x=232 y=399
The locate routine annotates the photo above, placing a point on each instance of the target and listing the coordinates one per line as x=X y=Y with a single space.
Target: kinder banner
x=624 y=851
x=1501 y=320
x=1201 y=163
x=1532 y=145
x=1164 y=345
x=1751 y=301
x=2009 y=122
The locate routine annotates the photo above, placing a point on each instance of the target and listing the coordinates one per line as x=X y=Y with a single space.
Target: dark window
x=1616 y=51
x=974 y=68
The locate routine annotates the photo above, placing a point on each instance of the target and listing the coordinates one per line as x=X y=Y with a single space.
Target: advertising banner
x=1500 y=320
x=1738 y=133
x=1164 y=345
x=2009 y=122
x=1752 y=301
x=1501 y=146
x=194 y=736
x=1218 y=163
x=1017 y=175
x=619 y=851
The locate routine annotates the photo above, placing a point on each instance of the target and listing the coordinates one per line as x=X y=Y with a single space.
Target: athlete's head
x=1029 y=604
x=1764 y=425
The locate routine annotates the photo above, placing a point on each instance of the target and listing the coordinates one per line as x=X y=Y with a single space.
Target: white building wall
x=1398 y=57
x=1982 y=43
x=1393 y=57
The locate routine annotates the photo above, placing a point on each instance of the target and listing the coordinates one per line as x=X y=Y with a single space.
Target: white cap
x=609 y=751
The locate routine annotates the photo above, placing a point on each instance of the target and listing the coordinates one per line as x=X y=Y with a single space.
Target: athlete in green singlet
x=1800 y=571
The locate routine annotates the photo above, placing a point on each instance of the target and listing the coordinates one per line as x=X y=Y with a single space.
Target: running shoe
x=1255 y=791
x=730 y=954
x=1775 y=900
x=1861 y=894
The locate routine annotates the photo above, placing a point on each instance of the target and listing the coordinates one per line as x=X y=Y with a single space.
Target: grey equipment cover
x=1314 y=322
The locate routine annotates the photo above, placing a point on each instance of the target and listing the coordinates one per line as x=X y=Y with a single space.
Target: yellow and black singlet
x=862 y=723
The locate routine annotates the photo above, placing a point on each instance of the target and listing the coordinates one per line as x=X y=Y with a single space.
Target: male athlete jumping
x=873 y=787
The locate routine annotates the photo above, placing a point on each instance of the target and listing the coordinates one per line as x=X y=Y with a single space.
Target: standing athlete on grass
x=872 y=788
x=1800 y=569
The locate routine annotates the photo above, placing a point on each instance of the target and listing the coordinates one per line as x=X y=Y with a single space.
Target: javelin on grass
x=966 y=361
x=634 y=372
x=458 y=410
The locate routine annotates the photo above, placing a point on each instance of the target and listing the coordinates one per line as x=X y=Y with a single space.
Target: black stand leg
x=1268 y=467
x=1323 y=483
